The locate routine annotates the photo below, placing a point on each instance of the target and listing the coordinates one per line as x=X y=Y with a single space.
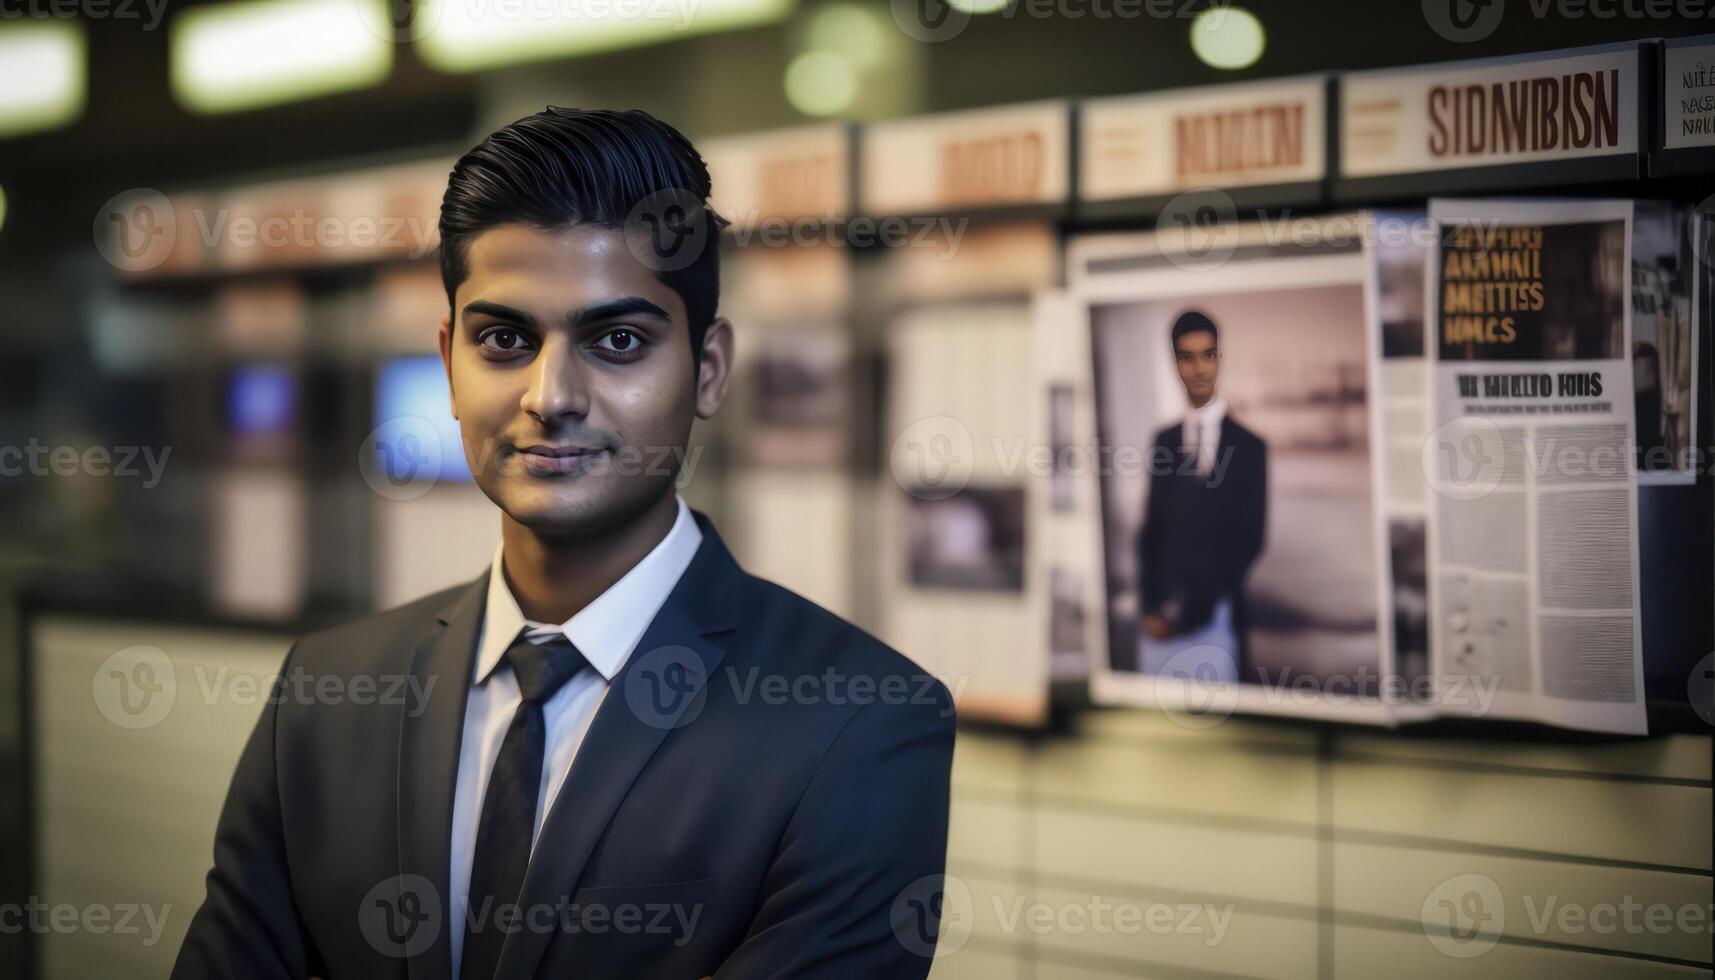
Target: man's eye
x=504 y=339
x=620 y=342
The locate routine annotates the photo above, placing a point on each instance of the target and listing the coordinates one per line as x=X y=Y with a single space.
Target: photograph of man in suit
x=1203 y=526
x=598 y=782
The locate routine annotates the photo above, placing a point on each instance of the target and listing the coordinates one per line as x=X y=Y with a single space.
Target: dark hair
x=564 y=167
x=1192 y=321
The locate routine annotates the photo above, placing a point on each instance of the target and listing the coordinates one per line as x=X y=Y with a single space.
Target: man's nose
x=557 y=382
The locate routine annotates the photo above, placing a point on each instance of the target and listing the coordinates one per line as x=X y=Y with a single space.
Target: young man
x=633 y=758
x=1204 y=523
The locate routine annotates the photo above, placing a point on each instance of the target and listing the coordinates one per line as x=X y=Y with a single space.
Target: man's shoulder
x=1241 y=434
x=800 y=636
x=387 y=638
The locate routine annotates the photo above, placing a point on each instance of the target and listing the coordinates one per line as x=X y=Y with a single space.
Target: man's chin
x=558 y=506
x=572 y=506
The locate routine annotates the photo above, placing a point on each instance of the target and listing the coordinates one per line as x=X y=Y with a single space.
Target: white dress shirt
x=605 y=632
x=1201 y=431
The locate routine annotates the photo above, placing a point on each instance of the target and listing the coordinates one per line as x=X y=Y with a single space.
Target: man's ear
x=447 y=359
x=715 y=371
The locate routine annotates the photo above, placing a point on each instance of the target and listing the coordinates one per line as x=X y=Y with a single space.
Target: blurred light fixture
x=1227 y=37
x=850 y=30
x=232 y=56
x=821 y=83
x=469 y=35
x=42 y=75
x=977 y=6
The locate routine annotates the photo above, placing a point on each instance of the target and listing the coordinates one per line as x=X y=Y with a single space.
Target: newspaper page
x=1664 y=345
x=1399 y=244
x=1062 y=546
x=953 y=586
x=1533 y=545
x=1242 y=540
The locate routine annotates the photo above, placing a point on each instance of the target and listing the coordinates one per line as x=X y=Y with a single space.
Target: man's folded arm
x=871 y=825
x=248 y=925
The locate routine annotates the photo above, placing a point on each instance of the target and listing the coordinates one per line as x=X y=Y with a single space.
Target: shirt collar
x=606 y=630
x=1212 y=412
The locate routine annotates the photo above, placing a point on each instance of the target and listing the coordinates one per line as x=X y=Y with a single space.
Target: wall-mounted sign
x=1534 y=108
x=379 y=213
x=786 y=175
x=1248 y=135
x=1688 y=93
x=1014 y=155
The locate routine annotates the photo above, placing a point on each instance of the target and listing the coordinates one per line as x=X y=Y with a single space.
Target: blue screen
x=416 y=436
x=260 y=401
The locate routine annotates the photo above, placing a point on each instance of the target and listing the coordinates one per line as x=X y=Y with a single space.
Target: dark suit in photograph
x=1202 y=533
x=794 y=833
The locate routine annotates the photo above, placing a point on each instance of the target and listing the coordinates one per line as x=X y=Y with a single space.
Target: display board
x=784 y=175
x=1684 y=108
x=957 y=497
x=1492 y=124
x=1535 y=551
x=1013 y=157
x=1688 y=92
x=1384 y=467
x=1237 y=461
x=790 y=418
x=1261 y=142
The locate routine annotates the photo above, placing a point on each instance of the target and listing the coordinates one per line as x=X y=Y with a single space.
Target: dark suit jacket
x=1201 y=534
x=795 y=830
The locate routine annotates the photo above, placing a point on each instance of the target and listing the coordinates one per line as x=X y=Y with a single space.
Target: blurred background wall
x=261 y=387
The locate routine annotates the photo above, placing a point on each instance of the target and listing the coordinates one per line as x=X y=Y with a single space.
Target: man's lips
x=556 y=459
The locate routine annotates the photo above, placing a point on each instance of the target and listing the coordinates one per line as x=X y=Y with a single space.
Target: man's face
x=1199 y=361
x=571 y=375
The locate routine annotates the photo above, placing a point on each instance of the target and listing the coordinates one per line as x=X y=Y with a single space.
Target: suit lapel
x=1174 y=440
x=660 y=688
x=429 y=746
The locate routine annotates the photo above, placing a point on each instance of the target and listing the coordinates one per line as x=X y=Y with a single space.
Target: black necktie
x=503 y=836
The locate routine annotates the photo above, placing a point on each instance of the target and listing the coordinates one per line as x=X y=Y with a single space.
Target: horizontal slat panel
x=1363 y=954
x=1153 y=726
x=988 y=762
x=1224 y=939
x=1667 y=825
x=973 y=962
x=1200 y=860
x=171 y=775
x=1053 y=966
x=1217 y=780
x=986 y=831
x=1397 y=882
x=1672 y=757
x=974 y=910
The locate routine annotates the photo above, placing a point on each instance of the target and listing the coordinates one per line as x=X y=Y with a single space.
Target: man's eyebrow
x=624 y=306
x=499 y=310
